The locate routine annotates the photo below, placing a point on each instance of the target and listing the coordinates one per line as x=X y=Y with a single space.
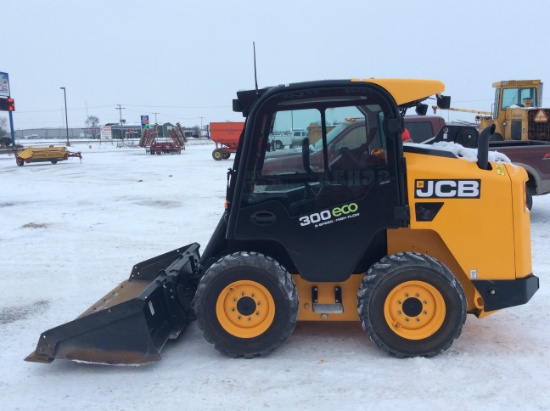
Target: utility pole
x=120 y=108
x=156 y=117
x=66 y=120
x=201 y=121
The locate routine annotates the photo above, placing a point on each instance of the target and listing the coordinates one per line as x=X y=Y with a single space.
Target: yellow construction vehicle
x=355 y=227
x=516 y=112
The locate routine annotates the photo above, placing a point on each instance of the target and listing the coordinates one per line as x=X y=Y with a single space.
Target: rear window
x=420 y=131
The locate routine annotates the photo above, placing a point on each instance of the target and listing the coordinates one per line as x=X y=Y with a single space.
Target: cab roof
x=403 y=91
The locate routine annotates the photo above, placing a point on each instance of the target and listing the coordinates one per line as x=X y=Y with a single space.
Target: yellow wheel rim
x=218 y=155
x=414 y=310
x=245 y=309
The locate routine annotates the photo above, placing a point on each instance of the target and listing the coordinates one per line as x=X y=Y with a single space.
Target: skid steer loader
x=354 y=227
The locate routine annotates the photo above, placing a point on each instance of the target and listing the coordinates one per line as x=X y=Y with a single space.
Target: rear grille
x=538 y=130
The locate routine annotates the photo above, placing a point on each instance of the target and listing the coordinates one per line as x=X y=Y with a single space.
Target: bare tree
x=93 y=123
x=3 y=127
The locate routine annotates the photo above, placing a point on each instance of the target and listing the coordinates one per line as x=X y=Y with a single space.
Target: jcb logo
x=447 y=188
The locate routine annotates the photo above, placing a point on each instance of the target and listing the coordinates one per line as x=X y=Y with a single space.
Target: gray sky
x=186 y=59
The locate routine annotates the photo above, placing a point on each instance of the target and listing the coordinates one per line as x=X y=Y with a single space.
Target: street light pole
x=66 y=119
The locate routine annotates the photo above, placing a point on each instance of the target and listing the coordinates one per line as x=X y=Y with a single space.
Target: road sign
x=4 y=85
x=144 y=122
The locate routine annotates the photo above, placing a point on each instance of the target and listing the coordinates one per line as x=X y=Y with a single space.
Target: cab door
x=323 y=209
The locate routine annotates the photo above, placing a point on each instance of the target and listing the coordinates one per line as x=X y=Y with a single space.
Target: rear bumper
x=506 y=293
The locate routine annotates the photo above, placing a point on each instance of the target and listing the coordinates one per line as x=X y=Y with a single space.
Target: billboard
x=4 y=85
x=106 y=133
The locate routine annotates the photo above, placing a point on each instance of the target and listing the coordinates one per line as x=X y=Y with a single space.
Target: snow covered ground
x=70 y=232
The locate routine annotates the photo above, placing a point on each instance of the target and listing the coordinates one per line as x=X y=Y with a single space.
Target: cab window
x=344 y=153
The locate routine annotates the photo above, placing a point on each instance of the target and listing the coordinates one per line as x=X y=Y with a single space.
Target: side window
x=496 y=104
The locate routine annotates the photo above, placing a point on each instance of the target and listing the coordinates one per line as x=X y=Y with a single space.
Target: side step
x=336 y=308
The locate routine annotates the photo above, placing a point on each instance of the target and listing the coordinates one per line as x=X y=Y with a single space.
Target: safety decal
x=541 y=117
x=500 y=170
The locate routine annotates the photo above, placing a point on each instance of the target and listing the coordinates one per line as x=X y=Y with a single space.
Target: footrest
x=328 y=308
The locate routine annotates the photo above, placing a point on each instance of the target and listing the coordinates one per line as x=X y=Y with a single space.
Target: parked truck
x=532 y=155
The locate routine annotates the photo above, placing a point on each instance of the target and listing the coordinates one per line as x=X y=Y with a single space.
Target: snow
x=72 y=231
x=469 y=154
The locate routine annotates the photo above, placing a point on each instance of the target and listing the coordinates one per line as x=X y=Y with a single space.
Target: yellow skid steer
x=355 y=226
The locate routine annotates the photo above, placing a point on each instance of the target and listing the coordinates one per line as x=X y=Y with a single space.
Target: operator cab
x=343 y=183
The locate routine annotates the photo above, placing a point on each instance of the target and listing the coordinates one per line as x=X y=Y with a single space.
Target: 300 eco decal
x=331 y=216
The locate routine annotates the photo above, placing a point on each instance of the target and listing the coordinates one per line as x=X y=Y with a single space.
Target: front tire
x=246 y=305
x=411 y=305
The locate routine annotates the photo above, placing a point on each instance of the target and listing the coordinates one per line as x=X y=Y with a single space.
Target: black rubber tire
x=54 y=161
x=250 y=268
x=20 y=163
x=226 y=156
x=391 y=276
x=217 y=154
x=279 y=145
x=496 y=137
x=528 y=198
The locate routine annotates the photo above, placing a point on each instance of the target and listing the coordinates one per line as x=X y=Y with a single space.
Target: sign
x=106 y=133
x=144 y=122
x=4 y=85
x=541 y=117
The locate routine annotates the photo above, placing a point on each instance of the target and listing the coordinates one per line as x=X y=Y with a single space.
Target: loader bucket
x=131 y=324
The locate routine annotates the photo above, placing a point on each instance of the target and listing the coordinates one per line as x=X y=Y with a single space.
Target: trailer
x=226 y=137
x=51 y=154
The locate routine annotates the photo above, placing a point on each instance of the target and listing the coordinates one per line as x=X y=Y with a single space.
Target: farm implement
x=51 y=154
x=154 y=144
x=226 y=137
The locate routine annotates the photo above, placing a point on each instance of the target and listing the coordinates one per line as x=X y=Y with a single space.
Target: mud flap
x=133 y=322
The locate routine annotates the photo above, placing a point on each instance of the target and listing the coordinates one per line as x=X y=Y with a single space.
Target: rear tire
x=217 y=154
x=411 y=305
x=246 y=305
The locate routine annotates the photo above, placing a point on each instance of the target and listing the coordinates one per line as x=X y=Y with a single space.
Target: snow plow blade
x=131 y=324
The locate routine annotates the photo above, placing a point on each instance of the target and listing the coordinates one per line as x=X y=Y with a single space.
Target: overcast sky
x=184 y=60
